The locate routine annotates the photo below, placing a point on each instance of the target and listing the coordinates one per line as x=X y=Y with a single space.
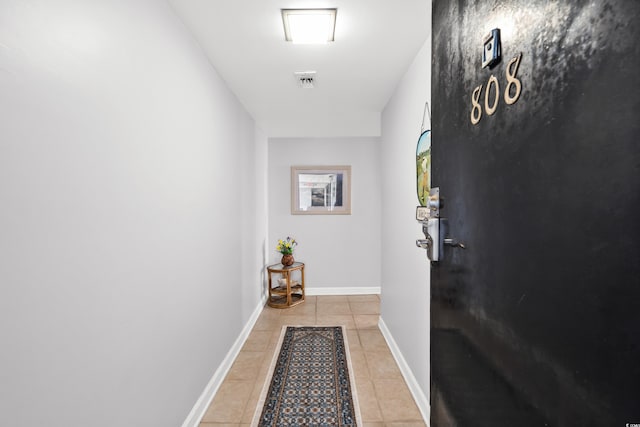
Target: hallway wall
x=128 y=190
x=405 y=268
x=340 y=251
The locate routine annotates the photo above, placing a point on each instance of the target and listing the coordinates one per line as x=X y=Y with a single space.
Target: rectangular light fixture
x=309 y=26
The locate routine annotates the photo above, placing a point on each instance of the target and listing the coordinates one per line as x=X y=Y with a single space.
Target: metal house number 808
x=490 y=106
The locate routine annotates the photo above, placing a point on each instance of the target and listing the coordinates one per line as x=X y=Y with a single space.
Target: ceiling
x=375 y=42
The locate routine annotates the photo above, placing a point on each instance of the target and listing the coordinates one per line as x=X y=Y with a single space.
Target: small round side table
x=290 y=290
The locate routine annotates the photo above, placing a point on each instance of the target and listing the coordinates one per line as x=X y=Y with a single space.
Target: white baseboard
x=201 y=406
x=344 y=291
x=418 y=394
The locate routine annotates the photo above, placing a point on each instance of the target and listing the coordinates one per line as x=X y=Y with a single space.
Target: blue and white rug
x=312 y=381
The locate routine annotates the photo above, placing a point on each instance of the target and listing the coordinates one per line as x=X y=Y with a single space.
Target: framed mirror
x=321 y=190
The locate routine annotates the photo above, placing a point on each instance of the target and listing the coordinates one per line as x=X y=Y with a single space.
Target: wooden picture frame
x=321 y=190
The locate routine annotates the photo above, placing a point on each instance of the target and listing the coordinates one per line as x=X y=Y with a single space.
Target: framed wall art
x=321 y=190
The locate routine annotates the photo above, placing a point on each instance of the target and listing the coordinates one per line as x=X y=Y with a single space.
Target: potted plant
x=285 y=247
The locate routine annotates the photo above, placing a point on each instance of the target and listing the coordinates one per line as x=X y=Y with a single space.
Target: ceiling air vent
x=305 y=79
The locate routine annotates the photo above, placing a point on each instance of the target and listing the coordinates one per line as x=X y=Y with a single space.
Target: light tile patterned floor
x=383 y=395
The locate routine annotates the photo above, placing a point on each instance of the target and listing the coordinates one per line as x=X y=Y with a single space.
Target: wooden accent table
x=288 y=291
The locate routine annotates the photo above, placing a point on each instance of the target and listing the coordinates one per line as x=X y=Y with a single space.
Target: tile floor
x=383 y=395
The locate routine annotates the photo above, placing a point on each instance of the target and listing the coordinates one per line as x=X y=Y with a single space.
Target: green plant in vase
x=285 y=247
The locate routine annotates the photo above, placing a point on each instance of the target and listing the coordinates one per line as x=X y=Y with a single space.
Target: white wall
x=333 y=123
x=255 y=223
x=128 y=185
x=405 y=269
x=339 y=251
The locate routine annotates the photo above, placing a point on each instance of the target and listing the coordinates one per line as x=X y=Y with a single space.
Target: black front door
x=538 y=162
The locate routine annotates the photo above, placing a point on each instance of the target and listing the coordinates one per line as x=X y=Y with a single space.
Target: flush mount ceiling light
x=309 y=26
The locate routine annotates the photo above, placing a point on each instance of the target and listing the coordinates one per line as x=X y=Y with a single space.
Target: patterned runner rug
x=311 y=381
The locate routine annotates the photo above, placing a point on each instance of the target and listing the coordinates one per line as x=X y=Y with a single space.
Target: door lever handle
x=424 y=243
x=454 y=243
